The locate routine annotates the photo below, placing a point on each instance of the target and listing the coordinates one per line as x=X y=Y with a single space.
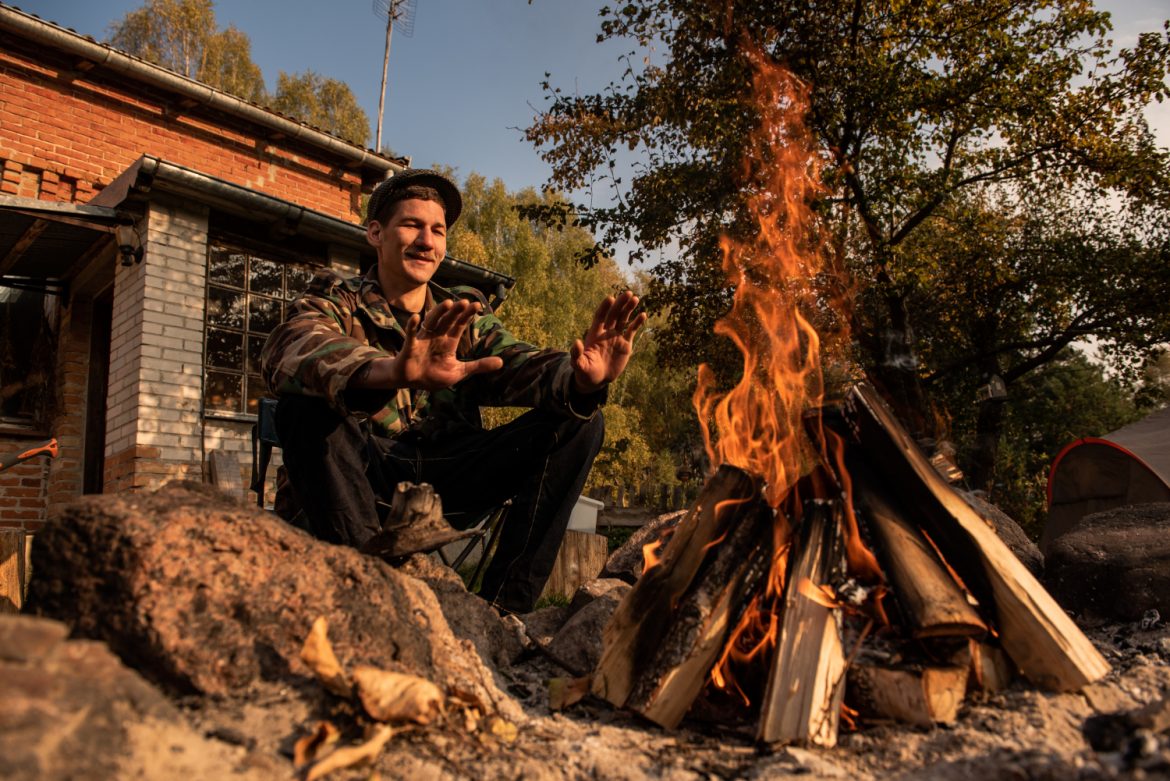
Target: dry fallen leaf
x=318 y=654
x=389 y=696
x=351 y=755
x=310 y=747
x=504 y=730
x=563 y=692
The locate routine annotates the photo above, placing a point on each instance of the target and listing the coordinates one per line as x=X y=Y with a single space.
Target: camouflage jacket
x=339 y=324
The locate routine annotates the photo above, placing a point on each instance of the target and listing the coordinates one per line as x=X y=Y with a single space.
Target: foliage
x=323 y=102
x=1068 y=398
x=912 y=103
x=551 y=305
x=182 y=35
x=1002 y=282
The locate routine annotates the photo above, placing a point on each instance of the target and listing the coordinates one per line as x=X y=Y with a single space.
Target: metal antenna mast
x=402 y=13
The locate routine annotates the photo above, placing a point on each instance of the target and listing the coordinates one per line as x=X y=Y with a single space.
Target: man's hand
x=427 y=360
x=602 y=355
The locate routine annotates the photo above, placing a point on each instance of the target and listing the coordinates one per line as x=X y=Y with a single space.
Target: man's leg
x=541 y=461
x=327 y=459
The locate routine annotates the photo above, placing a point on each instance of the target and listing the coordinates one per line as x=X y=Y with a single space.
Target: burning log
x=922 y=696
x=1036 y=633
x=933 y=603
x=666 y=634
x=806 y=686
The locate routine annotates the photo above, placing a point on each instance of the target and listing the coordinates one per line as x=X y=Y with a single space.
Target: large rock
x=71 y=710
x=1115 y=565
x=205 y=595
x=1009 y=531
x=579 y=643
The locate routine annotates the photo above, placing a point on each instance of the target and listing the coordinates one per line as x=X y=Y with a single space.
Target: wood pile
x=778 y=609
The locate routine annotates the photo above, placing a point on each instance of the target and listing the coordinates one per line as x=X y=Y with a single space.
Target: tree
x=912 y=104
x=552 y=303
x=323 y=102
x=1068 y=398
x=1001 y=283
x=182 y=35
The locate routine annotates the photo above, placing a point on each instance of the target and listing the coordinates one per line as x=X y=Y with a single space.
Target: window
x=247 y=296
x=27 y=350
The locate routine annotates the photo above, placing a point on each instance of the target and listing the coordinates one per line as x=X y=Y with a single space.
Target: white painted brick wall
x=156 y=361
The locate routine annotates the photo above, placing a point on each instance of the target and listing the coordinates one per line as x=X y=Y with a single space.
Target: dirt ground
x=1020 y=733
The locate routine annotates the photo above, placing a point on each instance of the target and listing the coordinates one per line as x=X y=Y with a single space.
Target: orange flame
x=758 y=422
x=758 y=425
x=650 y=557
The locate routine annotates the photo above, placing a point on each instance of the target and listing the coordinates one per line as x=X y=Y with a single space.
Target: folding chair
x=264 y=438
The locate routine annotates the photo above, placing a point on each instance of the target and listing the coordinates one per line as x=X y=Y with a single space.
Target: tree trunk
x=988 y=431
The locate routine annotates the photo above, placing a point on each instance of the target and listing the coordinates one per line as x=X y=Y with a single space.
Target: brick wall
x=65 y=139
x=153 y=432
x=64 y=136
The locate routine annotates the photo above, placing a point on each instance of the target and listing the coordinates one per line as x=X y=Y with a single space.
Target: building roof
x=94 y=58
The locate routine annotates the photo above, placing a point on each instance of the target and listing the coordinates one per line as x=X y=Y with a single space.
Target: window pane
x=255 y=345
x=226 y=267
x=264 y=314
x=225 y=308
x=225 y=349
x=297 y=279
x=265 y=277
x=27 y=347
x=223 y=391
x=256 y=390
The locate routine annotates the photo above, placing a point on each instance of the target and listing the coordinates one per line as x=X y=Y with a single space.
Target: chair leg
x=495 y=526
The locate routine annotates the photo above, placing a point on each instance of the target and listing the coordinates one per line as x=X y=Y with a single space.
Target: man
x=381 y=378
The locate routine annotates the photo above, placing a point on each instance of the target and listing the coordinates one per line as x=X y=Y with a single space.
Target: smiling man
x=381 y=378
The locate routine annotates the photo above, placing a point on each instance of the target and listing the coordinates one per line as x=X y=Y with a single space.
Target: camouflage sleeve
x=312 y=353
x=531 y=376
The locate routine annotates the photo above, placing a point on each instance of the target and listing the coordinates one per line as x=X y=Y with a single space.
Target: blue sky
x=469 y=77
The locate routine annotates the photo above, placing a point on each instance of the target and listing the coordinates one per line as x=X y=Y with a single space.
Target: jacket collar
x=374 y=302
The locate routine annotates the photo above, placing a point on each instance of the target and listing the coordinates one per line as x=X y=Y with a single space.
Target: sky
x=467 y=81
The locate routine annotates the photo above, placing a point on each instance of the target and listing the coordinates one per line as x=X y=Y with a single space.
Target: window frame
x=284 y=260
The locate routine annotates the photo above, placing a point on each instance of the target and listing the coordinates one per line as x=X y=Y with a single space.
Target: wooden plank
x=923 y=697
x=806 y=684
x=580 y=559
x=12 y=570
x=703 y=618
x=934 y=605
x=1045 y=644
x=637 y=627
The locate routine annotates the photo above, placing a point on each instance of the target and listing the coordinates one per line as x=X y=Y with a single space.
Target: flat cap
x=382 y=195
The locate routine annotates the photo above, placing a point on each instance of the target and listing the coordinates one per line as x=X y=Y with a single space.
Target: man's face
x=410 y=245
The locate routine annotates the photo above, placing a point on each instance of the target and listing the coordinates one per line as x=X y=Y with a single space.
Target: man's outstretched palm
x=601 y=356
x=428 y=359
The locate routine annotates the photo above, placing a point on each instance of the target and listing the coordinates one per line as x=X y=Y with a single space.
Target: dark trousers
x=338 y=468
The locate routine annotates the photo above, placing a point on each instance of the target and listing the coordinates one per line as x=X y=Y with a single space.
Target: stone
x=578 y=645
x=72 y=710
x=1009 y=531
x=1115 y=565
x=207 y=596
x=470 y=617
x=594 y=589
x=626 y=562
